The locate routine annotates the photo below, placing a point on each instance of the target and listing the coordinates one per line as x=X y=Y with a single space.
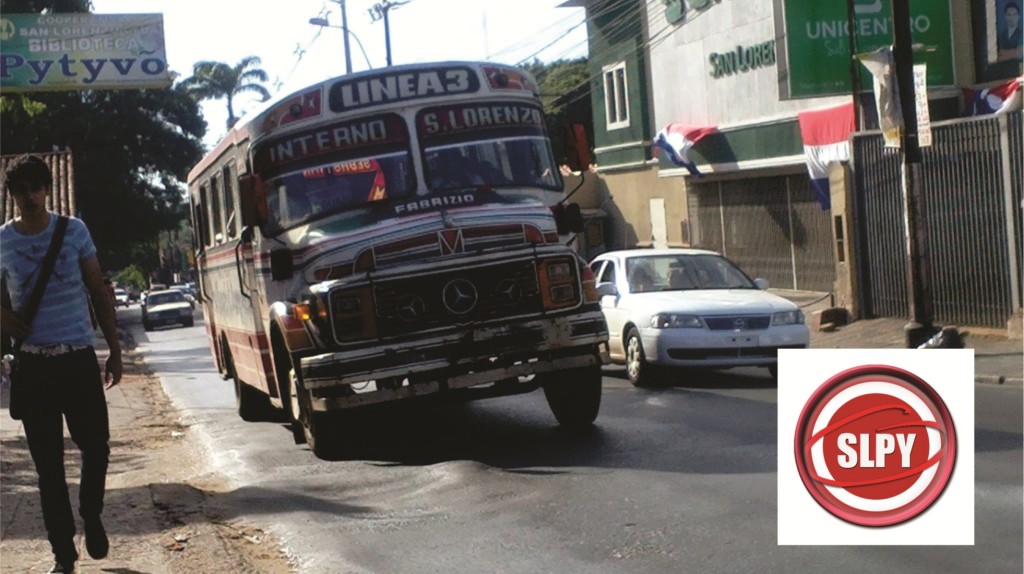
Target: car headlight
x=794 y=317
x=676 y=321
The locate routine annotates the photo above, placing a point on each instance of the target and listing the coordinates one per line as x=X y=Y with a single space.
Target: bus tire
x=252 y=404
x=574 y=396
x=324 y=436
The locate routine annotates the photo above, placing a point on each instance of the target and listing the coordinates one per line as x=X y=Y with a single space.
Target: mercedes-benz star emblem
x=739 y=324
x=410 y=307
x=459 y=296
x=510 y=291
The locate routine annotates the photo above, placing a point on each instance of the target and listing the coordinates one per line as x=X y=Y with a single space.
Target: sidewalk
x=997 y=360
x=161 y=510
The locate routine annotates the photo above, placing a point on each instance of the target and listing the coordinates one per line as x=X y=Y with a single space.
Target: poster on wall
x=1005 y=38
x=817 y=41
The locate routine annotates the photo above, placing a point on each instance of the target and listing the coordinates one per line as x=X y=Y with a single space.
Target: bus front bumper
x=461 y=359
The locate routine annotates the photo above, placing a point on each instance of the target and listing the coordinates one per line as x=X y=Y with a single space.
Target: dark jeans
x=66 y=387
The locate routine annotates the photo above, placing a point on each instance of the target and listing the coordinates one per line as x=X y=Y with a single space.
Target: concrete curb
x=999 y=380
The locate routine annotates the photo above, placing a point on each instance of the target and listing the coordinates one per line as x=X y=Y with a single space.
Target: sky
x=505 y=31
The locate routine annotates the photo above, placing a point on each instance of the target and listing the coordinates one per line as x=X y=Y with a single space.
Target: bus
x=390 y=235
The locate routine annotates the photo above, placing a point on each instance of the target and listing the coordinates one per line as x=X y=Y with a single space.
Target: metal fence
x=772 y=227
x=62 y=193
x=971 y=183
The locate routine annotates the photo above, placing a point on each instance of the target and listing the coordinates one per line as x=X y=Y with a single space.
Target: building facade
x=748 y=68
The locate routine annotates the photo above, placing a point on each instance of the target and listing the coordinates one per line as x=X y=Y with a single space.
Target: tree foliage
x=216 y=80
x=565 y=92
x=131 y=149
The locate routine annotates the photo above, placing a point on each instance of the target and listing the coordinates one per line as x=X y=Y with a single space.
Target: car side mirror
x=761 y=283
x=607 y=289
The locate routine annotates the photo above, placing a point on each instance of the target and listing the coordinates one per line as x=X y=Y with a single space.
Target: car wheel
x=189 y=322
x=574 y=396
x=147 y=326
x=640 y=372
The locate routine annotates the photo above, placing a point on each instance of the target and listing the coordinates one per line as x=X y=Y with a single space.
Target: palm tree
x=216 y=80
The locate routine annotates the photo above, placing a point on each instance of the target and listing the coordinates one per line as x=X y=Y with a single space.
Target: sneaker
x=59 y=568
x=96 y=542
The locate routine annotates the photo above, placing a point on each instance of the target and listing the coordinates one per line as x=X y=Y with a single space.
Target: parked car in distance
x=120 y=297
x=166 y=307
x=186 y=290
x=669 y=308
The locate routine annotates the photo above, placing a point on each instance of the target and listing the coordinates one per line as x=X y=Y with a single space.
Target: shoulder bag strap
x=44 y=275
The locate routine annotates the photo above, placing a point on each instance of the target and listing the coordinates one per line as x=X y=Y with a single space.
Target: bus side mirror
x=253 y=199
x=568 y=218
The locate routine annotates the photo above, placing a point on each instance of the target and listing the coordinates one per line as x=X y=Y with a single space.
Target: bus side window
x=198 y=227
x=205 y=215
x=230 y=192
x=215 y=211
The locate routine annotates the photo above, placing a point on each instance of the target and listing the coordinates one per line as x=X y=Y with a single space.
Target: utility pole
x=919 y=288
x=380 y=11
x=344 y=25
x=851 y=22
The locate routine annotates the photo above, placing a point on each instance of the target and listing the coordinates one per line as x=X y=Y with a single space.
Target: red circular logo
x=875 y=445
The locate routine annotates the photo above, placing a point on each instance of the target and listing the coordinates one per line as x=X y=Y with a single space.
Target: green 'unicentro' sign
x=818 y=45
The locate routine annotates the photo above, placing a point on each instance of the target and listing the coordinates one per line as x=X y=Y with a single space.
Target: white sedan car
x=691 y=308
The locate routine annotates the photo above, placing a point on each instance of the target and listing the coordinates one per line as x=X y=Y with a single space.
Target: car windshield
x=680 y=272
x=164 y=298
x=120 y=292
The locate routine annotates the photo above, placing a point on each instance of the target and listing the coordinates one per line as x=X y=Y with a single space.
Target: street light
x=324 y=23
x=380 y=11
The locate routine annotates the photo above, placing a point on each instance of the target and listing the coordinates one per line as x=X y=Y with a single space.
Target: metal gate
x=772 y=227
x=971 y=182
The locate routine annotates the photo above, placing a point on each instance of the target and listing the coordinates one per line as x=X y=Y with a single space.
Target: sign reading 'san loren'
x=742 y=59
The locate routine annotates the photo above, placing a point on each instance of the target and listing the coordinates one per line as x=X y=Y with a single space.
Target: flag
x=994 y=100
x=677 y=139
x=887 y=98
x=825 y=134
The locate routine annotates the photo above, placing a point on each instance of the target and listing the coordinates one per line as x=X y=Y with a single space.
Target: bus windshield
x=344 y=165
x=516 y=162
x=296 y=197
x=496 y=144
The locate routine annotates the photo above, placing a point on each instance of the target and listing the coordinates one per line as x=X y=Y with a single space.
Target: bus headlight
x=352 y=315
x=558 y=285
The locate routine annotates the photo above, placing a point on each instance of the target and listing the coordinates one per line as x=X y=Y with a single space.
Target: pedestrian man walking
x=58 y=372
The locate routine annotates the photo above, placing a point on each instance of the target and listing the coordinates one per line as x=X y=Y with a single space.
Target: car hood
x=168 y=307
x=710 y=302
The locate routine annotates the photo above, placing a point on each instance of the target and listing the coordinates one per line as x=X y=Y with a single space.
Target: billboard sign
x=818 y=48
x=82 y=52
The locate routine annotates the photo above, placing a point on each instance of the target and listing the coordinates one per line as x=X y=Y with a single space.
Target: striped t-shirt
x=63 y=315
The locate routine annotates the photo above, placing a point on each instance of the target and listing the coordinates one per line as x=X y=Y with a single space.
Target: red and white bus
x=388 y=235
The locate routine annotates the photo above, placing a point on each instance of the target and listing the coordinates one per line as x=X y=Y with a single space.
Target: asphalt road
x=679 y=479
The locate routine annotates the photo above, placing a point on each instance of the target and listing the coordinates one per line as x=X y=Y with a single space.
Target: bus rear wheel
x=252 y=404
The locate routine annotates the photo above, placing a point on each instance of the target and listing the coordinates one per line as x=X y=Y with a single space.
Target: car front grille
x=738 y=323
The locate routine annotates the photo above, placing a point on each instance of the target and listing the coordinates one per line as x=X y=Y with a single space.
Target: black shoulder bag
x=16 y=407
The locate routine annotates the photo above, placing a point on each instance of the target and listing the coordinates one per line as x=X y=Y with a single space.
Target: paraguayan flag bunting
x=677 y=139
x=825 y=135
